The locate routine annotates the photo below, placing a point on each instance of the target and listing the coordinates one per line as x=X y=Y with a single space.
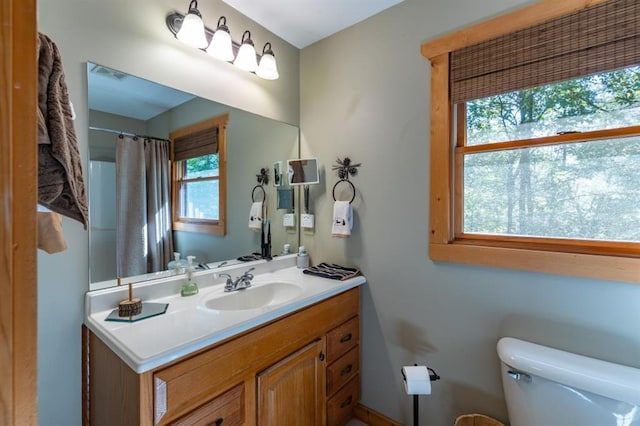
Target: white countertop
x=188 y=325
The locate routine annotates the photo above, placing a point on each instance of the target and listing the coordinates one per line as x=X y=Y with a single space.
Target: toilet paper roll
x=416 y=380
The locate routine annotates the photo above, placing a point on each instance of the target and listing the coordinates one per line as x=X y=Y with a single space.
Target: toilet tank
x=545 y=386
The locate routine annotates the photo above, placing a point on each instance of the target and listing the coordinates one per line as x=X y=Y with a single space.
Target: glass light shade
x=192 y=31
x=268 y=69
x=246 y=59
x=220 y=46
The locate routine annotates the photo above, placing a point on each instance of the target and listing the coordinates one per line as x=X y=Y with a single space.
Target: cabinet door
x=292 y=392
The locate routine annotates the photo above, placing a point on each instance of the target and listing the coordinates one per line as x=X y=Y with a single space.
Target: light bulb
x=192 y=29
x=220 y=46
x=246 y=59
x=268 y=68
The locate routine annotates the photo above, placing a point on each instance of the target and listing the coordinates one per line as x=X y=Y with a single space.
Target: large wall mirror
x=122 y=103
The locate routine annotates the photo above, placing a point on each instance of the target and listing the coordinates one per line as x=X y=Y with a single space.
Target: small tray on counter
x=148 y=310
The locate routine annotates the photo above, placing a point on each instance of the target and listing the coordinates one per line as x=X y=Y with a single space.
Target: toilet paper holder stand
x=433 y=376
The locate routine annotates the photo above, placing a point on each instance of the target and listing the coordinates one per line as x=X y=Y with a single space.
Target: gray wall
x=365 y=94
x=130 y=37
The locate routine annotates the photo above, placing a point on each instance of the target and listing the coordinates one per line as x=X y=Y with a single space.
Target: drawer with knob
x=343 y=370
x=343 y=338
x=224 y=410
x=340 y=406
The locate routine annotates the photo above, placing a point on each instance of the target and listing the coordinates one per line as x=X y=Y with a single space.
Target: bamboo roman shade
x=196 y=144
x=597 y=39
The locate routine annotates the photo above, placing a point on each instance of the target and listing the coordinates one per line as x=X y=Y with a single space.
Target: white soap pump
x=177 y=265
x=302 y=260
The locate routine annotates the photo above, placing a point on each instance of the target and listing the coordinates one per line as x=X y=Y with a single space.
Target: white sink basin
x=258 y=296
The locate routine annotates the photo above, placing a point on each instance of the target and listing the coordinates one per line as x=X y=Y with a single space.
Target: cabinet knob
x=346 y=370
x=321 y=356
x=218 y=422
x=345 y=338
x=347 y=402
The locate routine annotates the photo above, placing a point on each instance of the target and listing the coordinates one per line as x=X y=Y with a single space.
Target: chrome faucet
x=241 y=282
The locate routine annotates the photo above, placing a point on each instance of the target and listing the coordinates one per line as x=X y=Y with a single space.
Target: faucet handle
x=247 y=273
x=229 y=284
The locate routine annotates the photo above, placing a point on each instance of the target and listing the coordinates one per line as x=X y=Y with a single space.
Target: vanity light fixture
x=192 y=29
x=246 y=59
x=268 y=69
x=221 y=46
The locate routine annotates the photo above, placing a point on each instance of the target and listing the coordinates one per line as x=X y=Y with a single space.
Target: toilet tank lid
x=614 y=381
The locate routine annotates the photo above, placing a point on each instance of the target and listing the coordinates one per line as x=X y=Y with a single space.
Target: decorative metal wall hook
x=263 y=176
x=345 y=168
x=263 y=179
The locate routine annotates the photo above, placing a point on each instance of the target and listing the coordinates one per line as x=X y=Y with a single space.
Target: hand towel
x=342 y=219
x=255 y=216
x=332 y=271
x=60 y=184
x=50 y=235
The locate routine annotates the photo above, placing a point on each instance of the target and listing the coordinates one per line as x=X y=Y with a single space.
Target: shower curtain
x=144 y=240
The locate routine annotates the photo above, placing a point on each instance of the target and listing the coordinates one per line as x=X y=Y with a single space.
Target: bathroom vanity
x=288 y=362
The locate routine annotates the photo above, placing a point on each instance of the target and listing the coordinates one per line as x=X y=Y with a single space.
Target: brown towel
x=50 y=236
x=60 y=183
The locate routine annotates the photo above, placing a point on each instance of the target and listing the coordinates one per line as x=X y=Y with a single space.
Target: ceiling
x=303 y=22
x=122 y=94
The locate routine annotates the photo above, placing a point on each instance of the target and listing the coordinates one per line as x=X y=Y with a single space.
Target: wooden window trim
x=215 y=227
x=524 y=255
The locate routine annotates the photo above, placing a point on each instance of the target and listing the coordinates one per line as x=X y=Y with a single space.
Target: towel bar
x=253 y=193
x=353 y=189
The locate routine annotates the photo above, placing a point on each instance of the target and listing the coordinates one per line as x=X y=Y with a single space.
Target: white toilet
x=549 y=387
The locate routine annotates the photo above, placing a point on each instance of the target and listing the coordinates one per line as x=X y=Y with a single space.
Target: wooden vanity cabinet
x=301 y=369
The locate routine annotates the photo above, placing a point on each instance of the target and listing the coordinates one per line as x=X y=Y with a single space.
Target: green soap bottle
x=189 y=288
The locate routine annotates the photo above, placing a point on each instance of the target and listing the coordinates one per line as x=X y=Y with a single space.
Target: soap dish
x=148 y=310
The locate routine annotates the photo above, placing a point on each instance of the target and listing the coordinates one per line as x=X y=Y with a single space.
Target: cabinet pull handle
x=218 y=422
x=345 y=338
x=321 y=356
x=347 y=402
x=346 y=370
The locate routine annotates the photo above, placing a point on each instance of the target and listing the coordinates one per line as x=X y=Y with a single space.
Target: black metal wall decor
x=263 y=179
x=344 y=168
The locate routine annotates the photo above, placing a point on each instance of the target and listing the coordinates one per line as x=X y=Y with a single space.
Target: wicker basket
x=476 y=420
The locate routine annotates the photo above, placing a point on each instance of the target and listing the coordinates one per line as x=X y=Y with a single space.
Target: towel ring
x=253 y=193
x=353 y=189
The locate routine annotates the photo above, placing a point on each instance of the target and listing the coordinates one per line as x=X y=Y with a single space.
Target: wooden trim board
x=18 y=276
x=372 y=417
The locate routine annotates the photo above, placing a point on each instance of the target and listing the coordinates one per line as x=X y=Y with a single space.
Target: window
x=199 y=184
x=554 y=161
x=535 y=141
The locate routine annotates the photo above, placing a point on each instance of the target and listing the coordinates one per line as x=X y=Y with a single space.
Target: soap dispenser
x=189 y=288
x=176 y=264
x=302 y=260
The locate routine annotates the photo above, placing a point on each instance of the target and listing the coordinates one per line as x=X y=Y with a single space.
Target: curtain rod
x=120 y=132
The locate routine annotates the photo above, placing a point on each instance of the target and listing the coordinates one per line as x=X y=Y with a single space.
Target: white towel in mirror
x=255 y=217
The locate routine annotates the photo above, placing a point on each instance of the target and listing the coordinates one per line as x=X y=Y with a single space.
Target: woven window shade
x=196 y=144
x=598 y=39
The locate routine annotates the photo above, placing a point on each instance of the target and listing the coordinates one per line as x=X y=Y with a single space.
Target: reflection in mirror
x=303 y=171
x=277 y=173
x=123 y=104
